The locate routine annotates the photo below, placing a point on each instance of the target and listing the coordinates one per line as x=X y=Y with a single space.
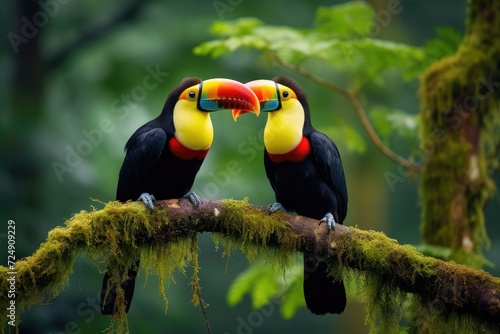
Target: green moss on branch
x=164 y=240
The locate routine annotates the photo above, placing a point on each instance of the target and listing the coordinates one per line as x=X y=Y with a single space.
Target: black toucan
x=306 y=174
x=164 y=155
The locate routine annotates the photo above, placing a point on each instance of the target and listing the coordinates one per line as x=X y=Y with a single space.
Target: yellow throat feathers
x=193 y=128
x=283 y=131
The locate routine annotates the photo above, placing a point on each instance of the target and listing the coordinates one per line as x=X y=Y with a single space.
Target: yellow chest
x=283 y=131
x=193 y=128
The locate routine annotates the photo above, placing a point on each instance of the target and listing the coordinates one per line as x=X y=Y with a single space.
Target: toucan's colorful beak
x=267 y=93
x=217 y=94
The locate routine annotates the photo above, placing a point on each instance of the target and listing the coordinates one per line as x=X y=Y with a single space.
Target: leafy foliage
x=388 y=121
x=336 y=39
x=351 y=138
x=344 y=19
x=446 y=43
x=269 y=286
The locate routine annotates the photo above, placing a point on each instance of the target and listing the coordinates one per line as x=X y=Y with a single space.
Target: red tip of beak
x=238 y=112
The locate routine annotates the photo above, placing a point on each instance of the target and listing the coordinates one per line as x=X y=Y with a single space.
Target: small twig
x=376 y=139
x=196 y=282
x=204 y=312
x=351 y=96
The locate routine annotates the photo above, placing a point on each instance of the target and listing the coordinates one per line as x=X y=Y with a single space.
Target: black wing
x=144 y=149
x=269 y=166
x=330 y=165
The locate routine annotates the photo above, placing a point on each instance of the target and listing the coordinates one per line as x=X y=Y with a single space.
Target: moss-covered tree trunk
x=460 y=98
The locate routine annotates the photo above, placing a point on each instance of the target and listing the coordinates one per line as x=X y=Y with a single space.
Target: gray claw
x=328 y=218
x=148 y=201
x=194 y=199
x=276 y=207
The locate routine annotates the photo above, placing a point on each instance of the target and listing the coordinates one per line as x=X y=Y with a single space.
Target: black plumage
x=150 y=167
x=313 y=187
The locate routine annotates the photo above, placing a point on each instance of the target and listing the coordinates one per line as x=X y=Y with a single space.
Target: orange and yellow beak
x=267 y=94
x=220 y=93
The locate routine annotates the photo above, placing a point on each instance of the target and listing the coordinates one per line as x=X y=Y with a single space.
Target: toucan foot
x=276 y=207
x=194 y=199
x=148 y=201
x=330 y=220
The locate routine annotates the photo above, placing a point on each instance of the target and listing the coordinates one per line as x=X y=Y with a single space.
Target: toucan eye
x=191 y=94
x=285 y=94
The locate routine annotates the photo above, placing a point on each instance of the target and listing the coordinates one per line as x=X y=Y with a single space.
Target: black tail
x=108 y=298
x=322 y=293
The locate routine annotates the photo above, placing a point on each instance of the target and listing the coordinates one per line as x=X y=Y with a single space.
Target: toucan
x=164 y=155
x=305 y=171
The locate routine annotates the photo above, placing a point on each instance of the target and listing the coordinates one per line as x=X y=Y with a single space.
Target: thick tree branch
x=460 y=288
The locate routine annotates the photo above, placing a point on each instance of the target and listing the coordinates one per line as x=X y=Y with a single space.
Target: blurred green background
x=86 y=64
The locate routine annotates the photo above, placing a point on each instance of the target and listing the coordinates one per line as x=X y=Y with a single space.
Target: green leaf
x=239 y=33
x=250 y=33
x=373 y=56
x=445 y=44
x=264 y=290
x=264 y=284
x=259 y=281
x=344 y=19
x=388 y=121
x=243 y=284
x=345 y=135
x=293 y=295
x=241 y=27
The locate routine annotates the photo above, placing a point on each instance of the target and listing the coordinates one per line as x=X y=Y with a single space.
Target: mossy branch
x=122 y=226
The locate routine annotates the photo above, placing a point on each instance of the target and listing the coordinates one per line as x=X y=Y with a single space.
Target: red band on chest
x=298 y=154
x=184 y=153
